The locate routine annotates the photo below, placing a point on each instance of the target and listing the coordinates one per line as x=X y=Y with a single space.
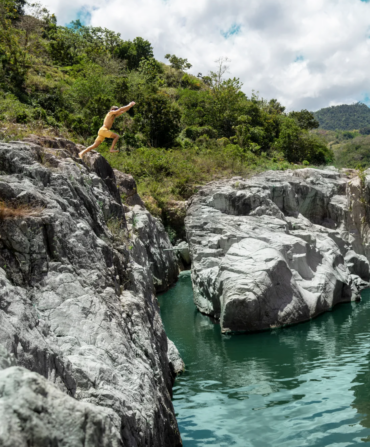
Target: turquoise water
x=306 y=385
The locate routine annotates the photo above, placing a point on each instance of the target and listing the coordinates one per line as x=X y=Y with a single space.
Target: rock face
x=78 y=313
x=127 y=189
x=149 y=233
x=279 y=248
x=34 y=412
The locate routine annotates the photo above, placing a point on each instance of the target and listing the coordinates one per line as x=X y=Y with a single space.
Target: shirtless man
x=105 y=132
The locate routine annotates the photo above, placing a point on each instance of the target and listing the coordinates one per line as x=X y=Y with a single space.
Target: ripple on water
x=306 y=385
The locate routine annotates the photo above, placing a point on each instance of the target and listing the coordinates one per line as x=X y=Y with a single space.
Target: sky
x=308 y=54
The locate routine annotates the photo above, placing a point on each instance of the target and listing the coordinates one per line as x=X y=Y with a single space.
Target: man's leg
x=115 y=139
x=90 y=148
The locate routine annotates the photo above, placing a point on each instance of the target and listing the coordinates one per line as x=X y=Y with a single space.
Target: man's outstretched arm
x=124 y=109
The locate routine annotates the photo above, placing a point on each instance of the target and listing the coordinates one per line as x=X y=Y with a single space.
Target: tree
x=14 y=59
x=365 y=130
x=65 y=46
x=158 y=119
x=217 y=76
x=178 y=63
x=150 y=68
x=19 y=8
x=133 y=52
x=298 y=145
x=306 y=120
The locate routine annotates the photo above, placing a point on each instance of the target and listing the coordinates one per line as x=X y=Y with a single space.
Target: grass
x=16 y=131
x=16 y=211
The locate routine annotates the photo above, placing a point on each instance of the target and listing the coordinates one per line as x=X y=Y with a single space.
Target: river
x=305 y=385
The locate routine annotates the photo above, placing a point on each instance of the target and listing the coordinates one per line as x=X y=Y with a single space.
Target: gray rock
x=175 y=215
x=127 y=188
x=151 y=234
x=77 y=307
x=358 y=265
x=35 y=412
x=184 y=252
x=177 y=365
x=272 y=250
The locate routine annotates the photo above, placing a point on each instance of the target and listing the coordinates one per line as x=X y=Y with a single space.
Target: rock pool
x=304 y=385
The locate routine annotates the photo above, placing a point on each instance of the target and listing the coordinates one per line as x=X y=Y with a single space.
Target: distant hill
x=344 y=117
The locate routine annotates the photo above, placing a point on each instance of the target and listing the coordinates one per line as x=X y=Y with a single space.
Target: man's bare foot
x=112 y=151
x=80 y=154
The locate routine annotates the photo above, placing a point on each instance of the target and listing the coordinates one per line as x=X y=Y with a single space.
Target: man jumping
x=105 y=132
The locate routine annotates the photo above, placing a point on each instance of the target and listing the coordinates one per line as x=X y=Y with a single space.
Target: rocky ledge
x=279 y=248
x=84 y=359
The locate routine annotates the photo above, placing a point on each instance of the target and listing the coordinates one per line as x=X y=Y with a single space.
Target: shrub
x=118 y=230
x=13 y=110
x=194 y=132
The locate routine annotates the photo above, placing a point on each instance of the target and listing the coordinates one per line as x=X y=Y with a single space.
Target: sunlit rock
x=276 y=249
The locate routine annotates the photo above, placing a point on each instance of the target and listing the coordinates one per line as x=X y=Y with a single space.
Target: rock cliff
x=83 y=358
x=279 y=248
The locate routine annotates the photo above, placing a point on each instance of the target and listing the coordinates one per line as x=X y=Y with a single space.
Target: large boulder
x=177 y=364
x=274 y=249
x=77 y=309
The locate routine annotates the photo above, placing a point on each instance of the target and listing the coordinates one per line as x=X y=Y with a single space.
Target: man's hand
x=124 y=109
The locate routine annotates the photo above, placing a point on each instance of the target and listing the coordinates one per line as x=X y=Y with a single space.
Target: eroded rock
x=275 y=249
x=78 y=309
x=33 y=411
x=149 y=233
x=177 y=365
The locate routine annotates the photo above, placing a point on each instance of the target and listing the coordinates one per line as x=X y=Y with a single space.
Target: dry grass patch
x=16 y=210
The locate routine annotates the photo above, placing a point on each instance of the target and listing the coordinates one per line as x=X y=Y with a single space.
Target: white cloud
x=308 y=54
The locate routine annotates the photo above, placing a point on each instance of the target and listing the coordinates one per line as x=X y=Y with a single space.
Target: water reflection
x=307 y=385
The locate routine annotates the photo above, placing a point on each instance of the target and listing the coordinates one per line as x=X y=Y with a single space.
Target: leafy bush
x=194 y=132
x=298 y=146
x=13 y=110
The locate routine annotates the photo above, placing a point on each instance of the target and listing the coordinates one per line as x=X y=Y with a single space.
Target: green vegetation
x=184 y=130
x=351 y=149
x=345 y=117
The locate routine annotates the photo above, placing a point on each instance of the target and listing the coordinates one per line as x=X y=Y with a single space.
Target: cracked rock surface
x=78 y=312
x=279 y=248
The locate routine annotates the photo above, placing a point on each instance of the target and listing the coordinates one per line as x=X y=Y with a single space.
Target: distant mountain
x=344 y=117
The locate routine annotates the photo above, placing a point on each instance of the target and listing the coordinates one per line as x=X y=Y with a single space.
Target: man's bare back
x=105 y=132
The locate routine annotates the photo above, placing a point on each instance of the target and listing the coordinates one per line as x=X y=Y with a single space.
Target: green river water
x=305 y=385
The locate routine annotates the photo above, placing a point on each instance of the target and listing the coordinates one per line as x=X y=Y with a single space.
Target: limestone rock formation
x=34 y=412
x=177 y=365
x=149 y=232
x=279 y=248
x=77 y=307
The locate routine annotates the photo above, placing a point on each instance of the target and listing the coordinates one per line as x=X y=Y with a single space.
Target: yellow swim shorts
x=103 y=134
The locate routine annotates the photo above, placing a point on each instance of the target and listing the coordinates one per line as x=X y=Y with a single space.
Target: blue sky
x=232 y=31
x=307 y=54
